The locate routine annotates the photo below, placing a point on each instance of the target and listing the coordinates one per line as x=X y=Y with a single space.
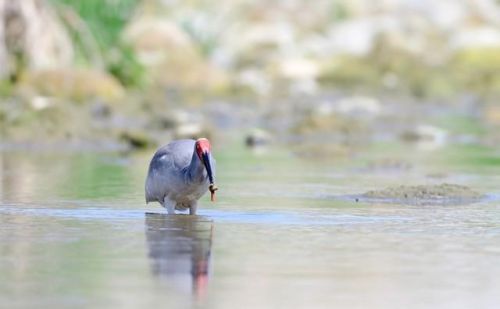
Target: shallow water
x=75 y=232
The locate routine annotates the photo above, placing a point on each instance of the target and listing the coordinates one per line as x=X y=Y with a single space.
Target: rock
x=298 y=68
x=445 y=14
x=256 y=80
x=41 y=102
x=264 y=37
x=40 y=48
x=325 y=118
x=427 y=137
x=258 y=137
x=75 y=84
x=298 y=75
x=353 y=37
x=192 y=131
x=154 y=38
x=425 y=132
x=359 y=106
x=188 y=131
x=183 y=123
x=137 y=139
x=100 y=110
x=175 y=118
x=171 y=58
x=478 y=37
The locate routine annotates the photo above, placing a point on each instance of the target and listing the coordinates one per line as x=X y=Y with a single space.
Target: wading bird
x=180 y=173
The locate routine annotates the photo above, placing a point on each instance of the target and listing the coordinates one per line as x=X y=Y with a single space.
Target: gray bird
x=180 y=173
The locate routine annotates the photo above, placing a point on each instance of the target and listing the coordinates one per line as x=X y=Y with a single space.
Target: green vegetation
x=101 y=23
x=105 y=18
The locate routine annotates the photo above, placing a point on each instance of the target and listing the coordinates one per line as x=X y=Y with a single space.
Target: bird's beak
x=205 y=156
x=206 y=161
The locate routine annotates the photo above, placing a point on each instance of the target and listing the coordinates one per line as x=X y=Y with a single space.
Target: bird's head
x=202 y=146
x=203 y=149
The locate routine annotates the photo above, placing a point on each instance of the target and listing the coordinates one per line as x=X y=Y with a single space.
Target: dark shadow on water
x=179 y=249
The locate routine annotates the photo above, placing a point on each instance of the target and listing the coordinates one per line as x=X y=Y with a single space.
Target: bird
x=180 y=173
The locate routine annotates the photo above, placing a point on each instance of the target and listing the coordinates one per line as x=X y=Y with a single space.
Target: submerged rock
x=426 y=137
x=424 y=194
x=258 y=137
x=137 y=139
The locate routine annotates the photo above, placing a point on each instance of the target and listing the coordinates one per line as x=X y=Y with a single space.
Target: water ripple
x=245 y=217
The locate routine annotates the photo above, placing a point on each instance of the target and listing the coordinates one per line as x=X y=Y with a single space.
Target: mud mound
x=424 y=194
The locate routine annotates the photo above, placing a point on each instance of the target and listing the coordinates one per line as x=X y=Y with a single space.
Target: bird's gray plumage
x=176 y=177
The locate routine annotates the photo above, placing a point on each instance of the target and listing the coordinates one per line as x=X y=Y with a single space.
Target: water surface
x=75 y=232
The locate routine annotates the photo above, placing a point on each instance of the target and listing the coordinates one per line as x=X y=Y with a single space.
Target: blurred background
x=136 y=73
x=314 y=108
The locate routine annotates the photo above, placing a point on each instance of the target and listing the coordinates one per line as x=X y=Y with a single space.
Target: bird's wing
x=160 y=164
x=166 y=166
x=181 y=152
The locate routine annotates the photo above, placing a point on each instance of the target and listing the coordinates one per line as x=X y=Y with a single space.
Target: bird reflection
x=179 y=250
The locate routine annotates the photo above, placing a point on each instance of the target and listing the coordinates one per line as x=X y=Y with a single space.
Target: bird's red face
x=202 y=147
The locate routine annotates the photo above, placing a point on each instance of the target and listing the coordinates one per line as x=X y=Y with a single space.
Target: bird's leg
x=169 y=205
x=192 y=208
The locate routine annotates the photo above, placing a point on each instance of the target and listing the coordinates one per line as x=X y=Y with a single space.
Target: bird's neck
x=195 y=172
